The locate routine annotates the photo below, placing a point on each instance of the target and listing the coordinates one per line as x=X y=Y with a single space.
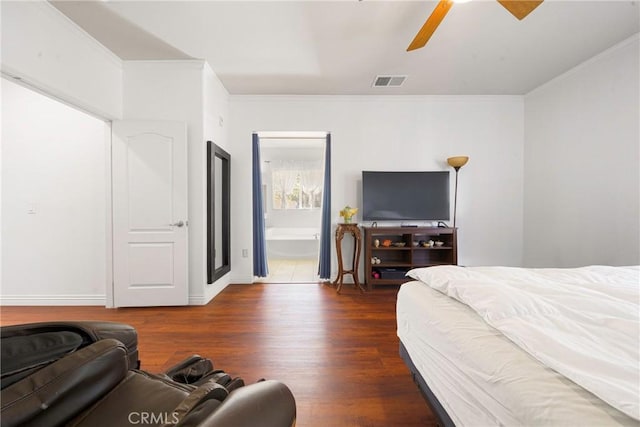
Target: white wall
x=577 y=126
x=172 y=90
x=582 y=163
x=186 y=91
x=215 y=121
x=53 y=165
x=400 y=133
x=46 y=50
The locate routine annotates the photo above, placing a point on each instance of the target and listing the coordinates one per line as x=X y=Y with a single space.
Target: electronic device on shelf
x=405 y=196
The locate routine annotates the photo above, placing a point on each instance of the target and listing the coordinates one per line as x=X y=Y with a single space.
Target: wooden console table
x=407 y=248
x=354 y=230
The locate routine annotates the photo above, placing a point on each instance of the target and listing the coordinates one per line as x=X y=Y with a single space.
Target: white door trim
x=108 y=286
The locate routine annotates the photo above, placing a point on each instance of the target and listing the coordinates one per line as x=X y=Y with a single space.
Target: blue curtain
x=324 y=265
x=260 y=267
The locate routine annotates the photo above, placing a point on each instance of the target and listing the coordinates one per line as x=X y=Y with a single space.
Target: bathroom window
x=296 y=184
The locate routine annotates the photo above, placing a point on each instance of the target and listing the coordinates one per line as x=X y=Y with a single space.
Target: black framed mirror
x=218 y=212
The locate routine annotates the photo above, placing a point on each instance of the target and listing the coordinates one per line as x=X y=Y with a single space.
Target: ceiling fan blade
x=430 y=25
x=520 y=8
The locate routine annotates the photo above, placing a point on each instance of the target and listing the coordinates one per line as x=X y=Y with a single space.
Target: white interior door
x=149 y=170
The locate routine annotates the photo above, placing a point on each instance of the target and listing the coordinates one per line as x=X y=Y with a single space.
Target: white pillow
x=438 y=277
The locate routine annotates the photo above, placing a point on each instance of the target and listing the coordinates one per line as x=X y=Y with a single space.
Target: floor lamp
x=456 y=162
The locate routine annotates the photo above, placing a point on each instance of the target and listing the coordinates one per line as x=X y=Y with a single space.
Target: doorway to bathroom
x=292 y=170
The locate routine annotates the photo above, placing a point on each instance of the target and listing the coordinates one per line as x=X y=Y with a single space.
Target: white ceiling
x=338 y=47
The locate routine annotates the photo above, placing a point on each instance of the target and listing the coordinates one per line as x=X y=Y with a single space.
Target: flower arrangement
x=347 y=213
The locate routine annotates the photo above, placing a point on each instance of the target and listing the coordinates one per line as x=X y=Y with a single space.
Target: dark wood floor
x=337 y=353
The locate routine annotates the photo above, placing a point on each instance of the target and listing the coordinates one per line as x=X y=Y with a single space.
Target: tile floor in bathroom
x=292 y=270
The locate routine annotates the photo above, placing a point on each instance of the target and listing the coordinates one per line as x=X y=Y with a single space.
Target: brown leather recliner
x=86 y=374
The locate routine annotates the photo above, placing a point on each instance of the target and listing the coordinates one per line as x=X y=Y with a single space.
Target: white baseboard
x=210 y=291
x=99 y=299
x=197 y=300
x=214 y=289
x=242 y=279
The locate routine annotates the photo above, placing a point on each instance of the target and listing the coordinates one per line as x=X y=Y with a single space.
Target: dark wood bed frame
x=436 y=407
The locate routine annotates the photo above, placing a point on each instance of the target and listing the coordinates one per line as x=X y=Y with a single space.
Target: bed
x=498 y=345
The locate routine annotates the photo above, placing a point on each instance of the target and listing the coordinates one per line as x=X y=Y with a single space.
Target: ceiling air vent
x=389 y=81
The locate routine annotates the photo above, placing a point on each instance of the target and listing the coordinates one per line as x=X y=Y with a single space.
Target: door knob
x=178 y=224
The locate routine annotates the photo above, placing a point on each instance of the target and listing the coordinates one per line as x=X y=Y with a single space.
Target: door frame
x=264 y=136
x=45 y=91
x=51 y=93
x=108 y=286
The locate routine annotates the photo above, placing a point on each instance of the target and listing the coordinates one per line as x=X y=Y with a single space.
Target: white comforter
x=583 y=322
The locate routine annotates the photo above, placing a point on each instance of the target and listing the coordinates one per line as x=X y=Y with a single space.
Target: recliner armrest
x=266 y=403
x=91 y=331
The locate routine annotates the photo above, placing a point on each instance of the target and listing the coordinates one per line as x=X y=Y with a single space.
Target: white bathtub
x=292 y=242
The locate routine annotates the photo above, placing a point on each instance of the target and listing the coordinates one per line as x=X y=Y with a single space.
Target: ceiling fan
x=518 y=8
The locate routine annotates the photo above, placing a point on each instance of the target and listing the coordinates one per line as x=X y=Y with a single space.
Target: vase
x=347 y=220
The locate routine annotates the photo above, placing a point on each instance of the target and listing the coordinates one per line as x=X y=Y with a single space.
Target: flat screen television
x=400 y=196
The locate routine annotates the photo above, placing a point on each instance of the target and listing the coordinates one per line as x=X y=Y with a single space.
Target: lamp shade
x=457 y=161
